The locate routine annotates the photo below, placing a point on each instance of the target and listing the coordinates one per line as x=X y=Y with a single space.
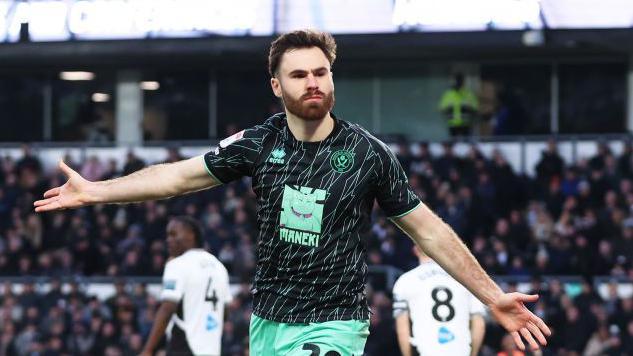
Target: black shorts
x=178 y=345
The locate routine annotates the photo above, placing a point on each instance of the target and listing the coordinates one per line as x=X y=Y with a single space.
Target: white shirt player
x=200 y=282
x=439 y=309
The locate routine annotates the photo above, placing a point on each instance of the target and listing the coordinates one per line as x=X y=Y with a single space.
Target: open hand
x=73 y=194
x=511 y=312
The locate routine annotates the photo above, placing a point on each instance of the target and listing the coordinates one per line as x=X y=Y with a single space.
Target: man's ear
x=276 y=86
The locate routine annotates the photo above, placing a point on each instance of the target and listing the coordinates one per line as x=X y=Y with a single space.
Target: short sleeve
x=173 y=283
x=394 y=195
x=476 y=306
x=234 y=157
x=400 y=303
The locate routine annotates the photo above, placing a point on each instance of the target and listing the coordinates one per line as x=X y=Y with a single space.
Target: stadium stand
x=566 y=219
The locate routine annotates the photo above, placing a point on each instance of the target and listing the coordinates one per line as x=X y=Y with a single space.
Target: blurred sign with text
x=63 y=20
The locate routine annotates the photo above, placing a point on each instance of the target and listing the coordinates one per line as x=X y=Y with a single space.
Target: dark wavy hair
x=300 y=39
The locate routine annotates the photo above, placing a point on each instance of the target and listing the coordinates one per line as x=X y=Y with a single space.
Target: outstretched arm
x=441 y=243
x=154 y=182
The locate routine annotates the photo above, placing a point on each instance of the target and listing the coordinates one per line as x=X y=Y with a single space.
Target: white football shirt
x=439 y=308
x=200 y=284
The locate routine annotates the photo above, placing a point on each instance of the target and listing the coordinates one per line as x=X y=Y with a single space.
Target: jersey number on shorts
x=211 y=295
x=446 y=301
x=316 y=350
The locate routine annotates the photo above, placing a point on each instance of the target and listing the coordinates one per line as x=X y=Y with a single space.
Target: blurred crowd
x=568 y=219
x=48 y=320
x=51 y=320
x=582 y=322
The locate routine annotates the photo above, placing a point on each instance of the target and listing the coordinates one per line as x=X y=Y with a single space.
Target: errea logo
x=277 y=156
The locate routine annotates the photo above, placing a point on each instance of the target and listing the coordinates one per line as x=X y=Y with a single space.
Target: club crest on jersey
x=277 y=156
x=444 y=335
x=342 y=160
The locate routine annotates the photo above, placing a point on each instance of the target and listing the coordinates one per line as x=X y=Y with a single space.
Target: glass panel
x=354 y=97
x=515 y=98
x=409 y=99
x=244 y=99
x=21 y=108
x=592 y=97
x=178 y=107
x=83 y=110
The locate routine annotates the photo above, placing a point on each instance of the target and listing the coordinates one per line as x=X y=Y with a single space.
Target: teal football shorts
x=330 y=338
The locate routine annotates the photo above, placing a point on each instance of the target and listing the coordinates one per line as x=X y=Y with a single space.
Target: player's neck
x=310 y=130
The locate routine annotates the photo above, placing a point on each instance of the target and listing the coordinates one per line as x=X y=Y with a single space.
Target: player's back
x=439 y=308
x=205 y=291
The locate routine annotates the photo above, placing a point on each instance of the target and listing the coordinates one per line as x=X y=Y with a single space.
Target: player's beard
x=309 y=111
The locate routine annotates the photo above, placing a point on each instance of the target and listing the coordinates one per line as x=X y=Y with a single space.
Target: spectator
x=7 y=340
x=453 y=214
x=29 y=161
x=459 y=105
x=550 y=166
x=625 y=161
x=519 y=231
x=508 y=348
x=447 y=161
x=577 y=331
x=25 y=339
x=569 y=184
x=603 y=342
x=506 y=183
x=28 y=298
x=627 y=347
x=624 y=314
x=106 y=339
x=587 y=297
x=112 y=350
x=132 y=163
x=93 y=169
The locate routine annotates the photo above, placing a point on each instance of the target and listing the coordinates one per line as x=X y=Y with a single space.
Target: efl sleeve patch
x=169 y=284
x=174 y=278
x=229 y=140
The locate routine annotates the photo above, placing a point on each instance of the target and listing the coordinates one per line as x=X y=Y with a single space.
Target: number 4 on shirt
x=211 y=295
